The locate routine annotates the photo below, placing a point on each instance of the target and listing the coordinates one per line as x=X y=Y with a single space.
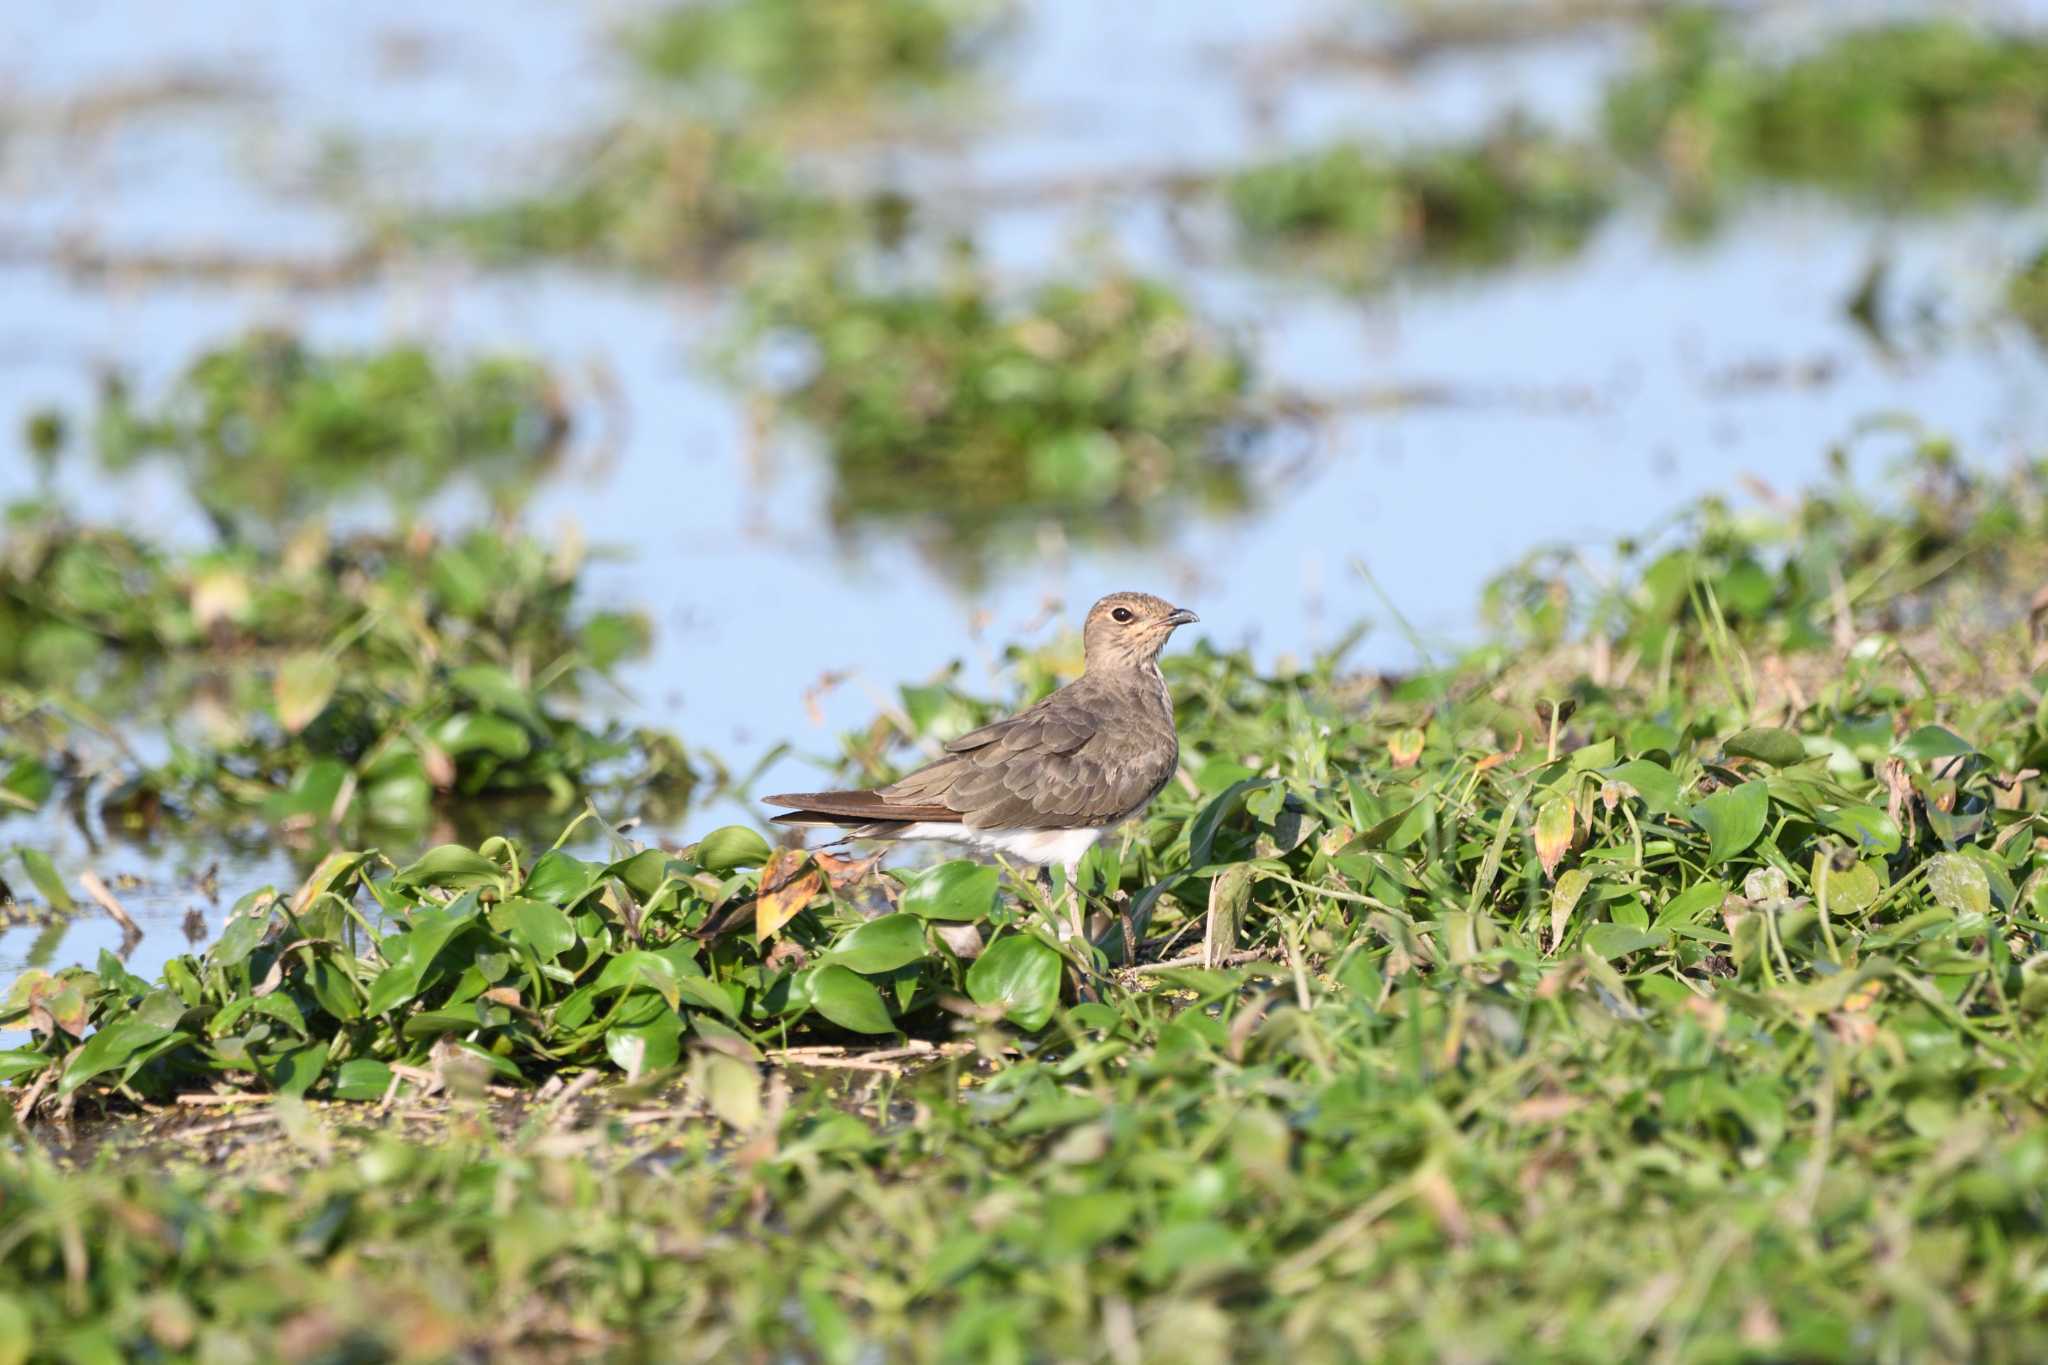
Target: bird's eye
x=1120 y=615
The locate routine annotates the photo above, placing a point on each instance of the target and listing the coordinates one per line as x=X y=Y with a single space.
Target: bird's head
x=1128 y=629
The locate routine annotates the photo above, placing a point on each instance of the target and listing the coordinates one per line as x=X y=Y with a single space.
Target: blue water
x=1572 y=400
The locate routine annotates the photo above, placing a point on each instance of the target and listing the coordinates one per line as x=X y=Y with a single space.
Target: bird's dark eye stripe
x=1121 y=614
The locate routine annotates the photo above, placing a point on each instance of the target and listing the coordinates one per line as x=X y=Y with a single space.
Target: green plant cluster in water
x=2027 y=294
x=787 y=52
x=674 y=197
x=1904 y=113
x=1363 y=214
x=1104 y=405
x=368 y=680
x=1567 y=994
x=267 y=430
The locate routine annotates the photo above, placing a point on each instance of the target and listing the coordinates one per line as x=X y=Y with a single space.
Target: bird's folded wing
x=1058 y=724
x=861 y=805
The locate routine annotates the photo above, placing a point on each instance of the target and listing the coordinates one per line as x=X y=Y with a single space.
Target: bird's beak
x=1182 y=617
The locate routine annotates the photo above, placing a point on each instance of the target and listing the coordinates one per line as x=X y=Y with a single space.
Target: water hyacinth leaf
x=494 y=687
x=849 y=1000
x=1847 y=891
x=1766 y=744
x=1564 y=898
x=1692 y=905
x=451 y=866
x=645 y=1048
x=559 y=878
x=410 y=954
x=43 y=873
x=729 y=848
x=1933 y=741
x=1958 y=883
x=1653 y=782
x=881 y=945
x=1019 y=974
x=1733 y=818
x=22 y=1062
x=362 y=1078
x=304 y=685
x=296 y=1071
x=958 y=890
x=1873 y=830
x=540 y=926
x=473 y=732
x=729 y=1087
x=110 y=1048
x=1202 y=831
x=1554 y=822
x=1610 y=941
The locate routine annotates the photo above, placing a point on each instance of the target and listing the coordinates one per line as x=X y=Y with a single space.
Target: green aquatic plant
x=2027 y=295
x=675 y=197
x=1362 y=214
x=788 y=52
x=1099 y=407
x=1907 y=114
x=268 y=430
x=369 y=680
x=1422 y=1016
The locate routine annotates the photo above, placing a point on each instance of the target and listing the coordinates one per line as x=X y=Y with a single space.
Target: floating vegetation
x=833 y=52
x=1441 y=956
x=1798 y=577
x=674 y=198
x=1360 y=214
x=364 y=681
x=268 y=430
x=1906 y=114
x=2027 y=295
x=1099 y=407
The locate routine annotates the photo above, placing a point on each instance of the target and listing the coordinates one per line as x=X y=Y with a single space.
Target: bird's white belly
x=1042 y=846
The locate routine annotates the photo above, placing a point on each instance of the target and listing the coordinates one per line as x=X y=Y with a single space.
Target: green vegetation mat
x=1664 y=976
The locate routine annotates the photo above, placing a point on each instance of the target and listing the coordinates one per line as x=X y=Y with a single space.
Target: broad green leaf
x=849 y=1000
x=1202 y=829
x=540 y=926
x=1932 y=741
x=646 y=1048
x=1767 y=744
x=451 y=866
x=1553 y=833
x=1692 y=905
x=1872 y=830
x=1618 y=940
x=1021 y=974
x=362 y=1078
x=1959 y=884
x=957 y=890
x=109 y=1049
x=881 y=945
x=1733 y=818
x=497 y=689
x=22 y=1062
x=559 y=878
x=1653 y=782
x=1848 y=891
x=304 y=685
x=731 y=847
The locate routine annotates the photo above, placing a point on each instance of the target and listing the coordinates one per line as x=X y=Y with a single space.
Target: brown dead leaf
x=845 y=872
x=786 y=888
x=1495 y=759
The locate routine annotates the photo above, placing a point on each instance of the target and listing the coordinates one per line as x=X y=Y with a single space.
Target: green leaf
x=646 y=1048
x=730 y=847
x=22 y=1062
x=1733 y=818
x=560 y=878
x=1872 y=830
x=497 y=689
x=1652 y=781
x=1202 y=829
x=304 y=685
x=1958 y=883
x=451 y=866
x=1767 y=744
x=412 y=953
x=957 y=890
x=542 y=927
x=849 y=1000
x=1693 y=904
x=1932 y=741
x=881 y=945
x=1564 y=898
x=1618 y=940
x=1021 y=974
x=363 y=1078
x=109 y=1049
x=43 y=873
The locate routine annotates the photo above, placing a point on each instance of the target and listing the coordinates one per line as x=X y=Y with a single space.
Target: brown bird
x=1045 y=784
